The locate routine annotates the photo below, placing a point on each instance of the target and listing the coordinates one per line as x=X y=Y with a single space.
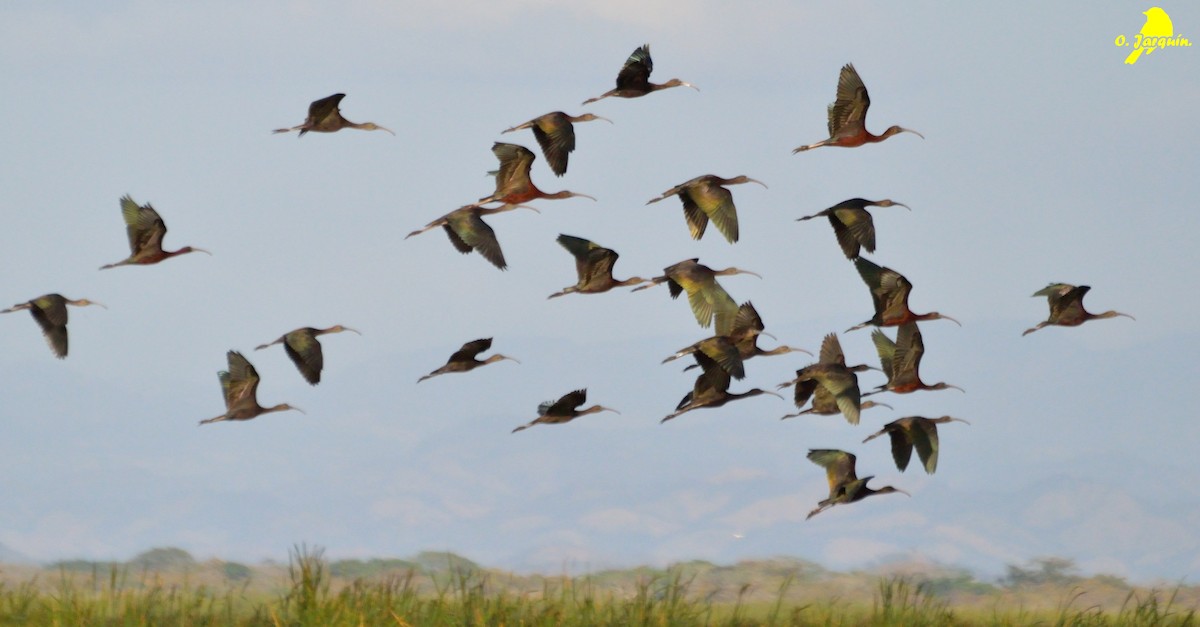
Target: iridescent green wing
x=304 y=350
x=635 y=74
x=556 y=135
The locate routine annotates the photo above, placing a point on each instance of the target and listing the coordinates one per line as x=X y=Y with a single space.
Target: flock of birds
x=830 y=385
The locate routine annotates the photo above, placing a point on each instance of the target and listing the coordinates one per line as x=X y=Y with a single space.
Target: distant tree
x=354 y=569
x=444 y=561
x=84 y=566
x=1042 y=570
x=234 y=571
x=163 y=559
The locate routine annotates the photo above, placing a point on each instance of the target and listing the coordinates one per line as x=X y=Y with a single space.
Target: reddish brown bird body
x=852 y=224
x=464 y=359
x=1066 y=307
x=146 y=229
x=593 y=265
x=633 y=80
x=844 y=484
x=565 y=409
x=889 y=293
x=324 y=116
x=50 y=312
x=901 y=361
x=555 y=133
x=513 y=185
x=239 y=386
x=704 y=198
x=848 y=116
x=305 y=351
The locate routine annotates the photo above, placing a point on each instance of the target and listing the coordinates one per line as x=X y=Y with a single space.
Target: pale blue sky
x=1046 y=159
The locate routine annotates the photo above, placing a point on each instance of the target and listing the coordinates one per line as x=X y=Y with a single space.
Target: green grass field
x=309 y=590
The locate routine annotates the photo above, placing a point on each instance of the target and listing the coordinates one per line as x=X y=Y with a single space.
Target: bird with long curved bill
x=852 y=223
x=848 y=116
x=304 y=349
x=705 y=198
x=146 y=229
x=565 y=409
x=50 y=312
x=844 y=484
x=465 y=358
x=555 y=133
x=634 y=78
x=325 y=116
x=1066 y=307
x=239 y=386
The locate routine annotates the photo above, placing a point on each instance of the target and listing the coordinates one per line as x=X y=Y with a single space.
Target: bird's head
x=337 y=328
x=937 y=316
x=588 y=117
x=286 y=407
x=675 y=82
x=943 y=386
x=371 y=126
x=887 y=489
x=887 y=202
x=193 y=249
x=733 y=270
x=498 y=357
x=895 y=130
x=83 y=302
x=738 y=180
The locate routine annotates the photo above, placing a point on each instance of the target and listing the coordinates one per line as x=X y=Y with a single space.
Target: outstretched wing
x=848 y=113
x=305 y=351
x=556 y=135
x=635 y=74
x=471 y=349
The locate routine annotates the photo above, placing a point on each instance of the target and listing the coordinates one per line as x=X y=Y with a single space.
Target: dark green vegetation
x=168 y=587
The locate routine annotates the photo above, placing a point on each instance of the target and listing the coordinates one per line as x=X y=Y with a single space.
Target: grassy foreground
x=309 y=595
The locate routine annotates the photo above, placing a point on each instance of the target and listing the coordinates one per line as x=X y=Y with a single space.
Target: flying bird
x=324 y=116
x=830 y=372
x=1158 y=24
x=304 y=350
x=901 y=361
x=704 y=198
x=555 y=133
x=914 y=432
x=239 y=385
x=747 y=326
x=467 y=231
x=848 y=115
x=708 y=299
x=889 y=293
x=513 y=185
x=711 y=389
x=634 y=78
x=464 y=359
x=146 y=230
x=1066 y=307
x=50 y=312
x=593 y=266
x=565 y=409
x=844 y=484
x=852 y=223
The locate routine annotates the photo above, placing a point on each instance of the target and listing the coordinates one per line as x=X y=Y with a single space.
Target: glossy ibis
x=848 y=116
x=844 y=484
x=711 y=389
x=565 y=409
x=555 y=133
x=593 y=266
x=239 y=385
x=464 y=359
x=1066 y=307
x=634 y=78
x=852 y=223
x=146 y=230
x=914 y=432
x=50 y=312
x=324 y=116
x=304 y=350
x=705 y=198
x=901 y=361
x=889 y=293
x=708 y=299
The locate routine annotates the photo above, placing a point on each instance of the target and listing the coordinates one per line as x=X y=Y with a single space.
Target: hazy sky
x=1046 y=159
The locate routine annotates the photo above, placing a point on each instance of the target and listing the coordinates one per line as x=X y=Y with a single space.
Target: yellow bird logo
x=1157 y=32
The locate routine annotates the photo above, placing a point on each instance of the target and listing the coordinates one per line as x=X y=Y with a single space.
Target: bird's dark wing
x=856 y=224
x=747 y=318
x=714 y=381
x=804 y=391
x=474 y=233
x=925 y=439
x=243 y=380
x=556 y=135
x=1069 y=306
x=717 y=203
x=887 y=352
x=143 y=225
x=567 y=403
x=822 y=401
x=635 y=74
x=471 y=349
x=324 y=108
x=831 y=351
x=305 y=351
x=515 y=162
x=902 y=444
x=697 y=219
x=838 y=465
x=909 y=349
x=50 y=312
x=226 y=388
x=848 y=112
x=726 y=355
